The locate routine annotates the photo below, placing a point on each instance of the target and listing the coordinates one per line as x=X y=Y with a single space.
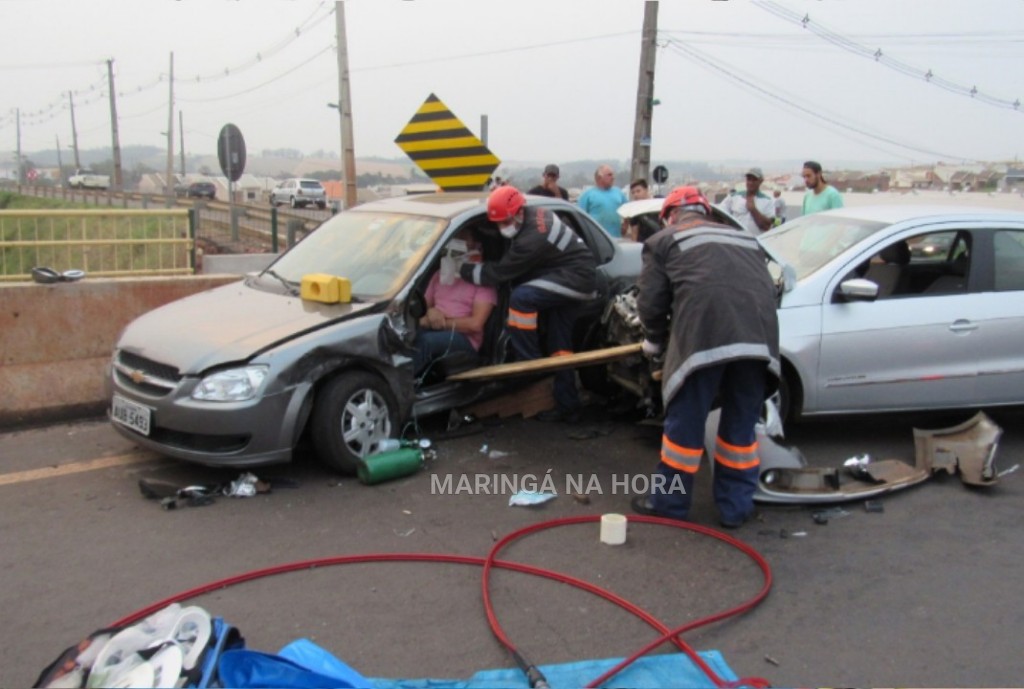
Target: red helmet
x=684 y=196
x=503 y=203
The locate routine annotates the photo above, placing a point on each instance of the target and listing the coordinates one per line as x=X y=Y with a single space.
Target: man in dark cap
x=549 y=184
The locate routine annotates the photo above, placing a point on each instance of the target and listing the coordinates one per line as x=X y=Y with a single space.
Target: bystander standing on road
x=638 y=190
x=720 y=337
x=820 y=196
x=549 y=184
x=780 y=208
x=602 y=200
x=754 y=209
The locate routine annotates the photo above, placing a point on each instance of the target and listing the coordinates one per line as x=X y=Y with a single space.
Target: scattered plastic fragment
x=529 y=497
x=1010 y=470
x=243 y=487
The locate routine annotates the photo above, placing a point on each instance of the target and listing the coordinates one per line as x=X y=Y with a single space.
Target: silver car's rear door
x=1000 y=320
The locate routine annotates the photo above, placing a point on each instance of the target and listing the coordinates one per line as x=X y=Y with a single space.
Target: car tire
x=352 y=414
x=787 y=410
x=294 y=203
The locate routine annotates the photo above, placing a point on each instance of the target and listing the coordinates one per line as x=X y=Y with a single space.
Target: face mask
x=509 y=231
x=448 y=271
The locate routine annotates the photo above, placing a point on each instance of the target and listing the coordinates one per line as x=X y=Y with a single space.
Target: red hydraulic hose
x=667 y=635
x=490 y=562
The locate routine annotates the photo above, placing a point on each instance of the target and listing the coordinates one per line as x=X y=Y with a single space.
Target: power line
x=881 y=58
x=816 y=114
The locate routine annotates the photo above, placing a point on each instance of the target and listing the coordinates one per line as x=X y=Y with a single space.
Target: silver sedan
x=873 y=322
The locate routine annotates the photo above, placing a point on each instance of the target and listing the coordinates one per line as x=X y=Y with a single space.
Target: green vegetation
x=99 y=245
x=10 y=200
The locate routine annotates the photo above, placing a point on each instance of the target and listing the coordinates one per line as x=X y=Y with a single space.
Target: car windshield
x=377 y=252
x=809 y=242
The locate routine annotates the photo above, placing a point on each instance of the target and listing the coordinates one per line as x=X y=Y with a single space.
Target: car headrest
x=898 y=253
x=959 y=265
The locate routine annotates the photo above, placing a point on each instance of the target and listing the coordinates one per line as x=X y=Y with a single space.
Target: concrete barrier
x=56 y=340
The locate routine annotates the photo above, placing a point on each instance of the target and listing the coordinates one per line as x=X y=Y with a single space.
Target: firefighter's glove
x=651 y=350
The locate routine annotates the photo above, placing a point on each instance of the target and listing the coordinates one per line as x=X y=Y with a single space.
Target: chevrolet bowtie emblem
x=137 y=376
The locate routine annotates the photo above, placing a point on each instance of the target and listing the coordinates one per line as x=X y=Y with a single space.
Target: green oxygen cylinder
x=385 y=466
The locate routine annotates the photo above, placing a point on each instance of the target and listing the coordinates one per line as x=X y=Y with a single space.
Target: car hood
x=224 y=325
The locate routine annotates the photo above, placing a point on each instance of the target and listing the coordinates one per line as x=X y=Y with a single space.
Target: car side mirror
x=857 y=289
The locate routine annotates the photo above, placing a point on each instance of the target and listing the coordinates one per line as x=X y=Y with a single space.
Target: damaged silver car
x=235 y=376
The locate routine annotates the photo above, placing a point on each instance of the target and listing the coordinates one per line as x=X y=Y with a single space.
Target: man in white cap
x=754 y=209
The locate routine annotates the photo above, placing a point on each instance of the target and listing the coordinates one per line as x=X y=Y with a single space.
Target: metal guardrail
x=101 y=242
x=219 y=226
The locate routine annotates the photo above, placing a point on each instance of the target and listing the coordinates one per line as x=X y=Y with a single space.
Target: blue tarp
x=650 y=672
x=304 y=665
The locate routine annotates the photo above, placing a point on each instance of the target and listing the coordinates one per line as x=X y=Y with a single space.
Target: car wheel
x=352 y=414
x=294 y=203
x=789 y=410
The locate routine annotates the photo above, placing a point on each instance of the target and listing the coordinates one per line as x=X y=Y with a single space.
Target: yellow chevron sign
x=445 y=149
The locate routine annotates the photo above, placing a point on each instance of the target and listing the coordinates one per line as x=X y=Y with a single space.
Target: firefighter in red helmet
x=553 y=274
x=707 y=305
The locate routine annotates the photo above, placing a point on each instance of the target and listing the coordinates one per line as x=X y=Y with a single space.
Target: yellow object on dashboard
x=328 y=289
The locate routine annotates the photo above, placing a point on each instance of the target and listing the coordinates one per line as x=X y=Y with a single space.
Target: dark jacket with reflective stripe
x=706 y=293
x=546 y=254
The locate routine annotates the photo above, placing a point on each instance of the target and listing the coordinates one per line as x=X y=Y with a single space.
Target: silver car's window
x=810 y=242
x=310 y=185
x=377 y=252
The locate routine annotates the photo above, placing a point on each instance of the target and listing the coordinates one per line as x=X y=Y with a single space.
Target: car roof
x=897 y=213
x=632 y=208
x=448 y=204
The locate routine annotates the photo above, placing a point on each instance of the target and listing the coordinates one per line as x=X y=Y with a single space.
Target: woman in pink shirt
x=457 y=311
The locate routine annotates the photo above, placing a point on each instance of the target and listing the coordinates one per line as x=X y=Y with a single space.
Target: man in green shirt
x=820 y=196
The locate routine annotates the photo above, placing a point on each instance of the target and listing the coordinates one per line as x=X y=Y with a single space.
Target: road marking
x=75 y=468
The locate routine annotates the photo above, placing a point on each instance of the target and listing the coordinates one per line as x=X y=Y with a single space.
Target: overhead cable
x=877 y=55
x=816 y=113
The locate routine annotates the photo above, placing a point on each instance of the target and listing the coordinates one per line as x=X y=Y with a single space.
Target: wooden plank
x=527 y=402
x=551 y=363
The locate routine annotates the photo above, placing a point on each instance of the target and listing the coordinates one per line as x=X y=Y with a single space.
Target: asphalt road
x=926 y=593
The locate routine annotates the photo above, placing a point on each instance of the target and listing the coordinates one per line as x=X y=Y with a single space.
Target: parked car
x=257 y=367
x=201 y=190
x=299 y=193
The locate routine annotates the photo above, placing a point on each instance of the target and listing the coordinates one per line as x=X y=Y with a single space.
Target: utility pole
x=483 y=129
x=118 y=177
x=74 y=132
x=181 y=138
x=348 y=152
x=641 y=162
x=60 y=163
x=169 y=188
x=17 y=129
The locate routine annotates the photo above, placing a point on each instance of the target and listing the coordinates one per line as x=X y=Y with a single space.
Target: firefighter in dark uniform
x=707 y=304
x=553 y=273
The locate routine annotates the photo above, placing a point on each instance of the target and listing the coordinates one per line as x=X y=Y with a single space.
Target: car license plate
x=130 y=414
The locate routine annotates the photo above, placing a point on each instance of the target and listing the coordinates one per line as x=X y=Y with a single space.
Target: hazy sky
x=737 y=79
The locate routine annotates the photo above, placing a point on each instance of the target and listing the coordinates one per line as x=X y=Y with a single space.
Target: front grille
x=196 y=442
x=144 y=375
x=148 y=366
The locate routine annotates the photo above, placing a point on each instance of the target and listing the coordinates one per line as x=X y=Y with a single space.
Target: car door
x=909 y=349
x=999 y=346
